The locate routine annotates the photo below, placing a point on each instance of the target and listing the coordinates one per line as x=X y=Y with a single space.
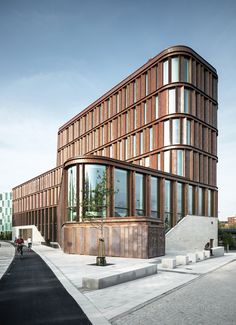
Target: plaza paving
x=112 y=304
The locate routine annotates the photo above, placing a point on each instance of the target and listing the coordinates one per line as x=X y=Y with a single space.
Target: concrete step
x=129 y=274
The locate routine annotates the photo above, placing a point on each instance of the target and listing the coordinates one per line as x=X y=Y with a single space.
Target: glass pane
x=186 y=70
x=175 y=131
x=150 y=139
x=146 y=83
x=165 y=72
x=190 y=199
x=167 y=206
x=95 y=191
x=139 y=202
x=166 y=133
x=175 y=69
x=179 y=201
x=172 y=105
x=180 y=160
x=209 y=203
x=71 y=196
x=156 y=108
x=134 y=91
x=145 y=113
x=154 y=197
x=186 y=101
x=121 y=193
x=167 y=161
x=200 y=201
x=141 y=143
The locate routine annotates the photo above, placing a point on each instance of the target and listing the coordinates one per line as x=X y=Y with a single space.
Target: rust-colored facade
x=159 y=123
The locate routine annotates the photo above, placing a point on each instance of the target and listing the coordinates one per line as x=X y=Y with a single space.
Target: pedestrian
x=208 y=248
x=20 y=243
x=29 y=241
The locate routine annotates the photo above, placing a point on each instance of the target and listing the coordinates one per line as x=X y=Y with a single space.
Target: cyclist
x=29 y=241
x=20 y=243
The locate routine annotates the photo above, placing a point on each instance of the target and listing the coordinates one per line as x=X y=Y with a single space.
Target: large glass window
x=141 y=143
x=135 y=91
x=186 y=70
x=187 y=132
x=175 y=69
x=190 y=199
x=71 y=194
x=139 y=201
x=146 y=84
x=165 y=72
x=145 y=112
x=134 y=117
x=154 y=197
x=209 y=203
x=179 y=197
x=134 y=145
x=167 y=206
x=172 y=101
x=175 y=131
x=121 y=193
x=95 y=191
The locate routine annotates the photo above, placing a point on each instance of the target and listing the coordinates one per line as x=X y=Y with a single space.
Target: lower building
x=132 y=164
x=5 y=214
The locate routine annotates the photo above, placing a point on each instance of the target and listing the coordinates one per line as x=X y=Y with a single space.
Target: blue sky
x=58 y=56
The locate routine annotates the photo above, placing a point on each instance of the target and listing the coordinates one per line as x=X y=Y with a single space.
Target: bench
x=182 y=260
x=168 y=263
x=103 y=281
x=218 y=251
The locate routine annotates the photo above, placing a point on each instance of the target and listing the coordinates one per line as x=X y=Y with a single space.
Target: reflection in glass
x=175 y=69
x=180 y=162
x=209 y=203
x=175 y=131
x=146 y=84
x=71 y=196
x=134 y=145
x=179 y=201
x=145 y=113
x=139 y=202
x=200 y=201
x=186 y=70
x=166 y=133
x=190 y=199
x=167 y=206
x=95 y=191
x=154 y=197
x=171 y=94
x=141 y=143
x=121 y=193
x=165 y=72
x=156 y=108
x=150 y=139
x=187 y=132
x=134 y=90
x=186 y=100
x=167 y=161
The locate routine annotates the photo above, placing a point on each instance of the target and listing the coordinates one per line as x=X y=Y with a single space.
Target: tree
x=94 y=207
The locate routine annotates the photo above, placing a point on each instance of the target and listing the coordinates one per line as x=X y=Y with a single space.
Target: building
x=153 y=140
x=5 y=213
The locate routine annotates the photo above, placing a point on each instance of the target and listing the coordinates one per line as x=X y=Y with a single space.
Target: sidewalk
x=7 y=253
x=104 y=305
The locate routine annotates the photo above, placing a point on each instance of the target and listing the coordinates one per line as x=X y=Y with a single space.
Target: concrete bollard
x=182 y=260
x=192 y=257
x=168 y=263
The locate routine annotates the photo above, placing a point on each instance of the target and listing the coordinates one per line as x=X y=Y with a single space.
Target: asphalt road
x=31 y=294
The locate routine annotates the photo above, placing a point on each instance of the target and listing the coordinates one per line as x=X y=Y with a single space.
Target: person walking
x=29 y=241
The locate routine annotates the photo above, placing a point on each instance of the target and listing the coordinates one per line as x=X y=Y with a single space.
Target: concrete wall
x=36 y=235
x=191 y=234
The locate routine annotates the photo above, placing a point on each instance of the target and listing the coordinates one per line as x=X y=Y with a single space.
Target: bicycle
x=19 y=249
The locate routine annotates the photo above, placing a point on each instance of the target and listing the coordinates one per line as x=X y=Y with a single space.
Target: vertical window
x=157 y=77
x=150 y=139
x=147 y=162
x=126 y=148
x=126 y=96
x=200 y=201
x=175 y=69
x=134 y=117
x=166 y=133
x=139 y=201
x=108 y=108
x=186 y=100
x=71 y=194
x=134 y=145
x=158 y=161
x=187 y=132
x=95 y=191
x=103 y=138
x=165 y=72
x=145 y=112
x=179 y=198
x=135 y=93
x=101 y=110
x=167 y=205
x=209 y=203
x=190 y=199
x=186 y=70
x=146 y=83
x=141 y=143
x=126 y=122
x=110 y=152
x=154 y=197
x=156 y=107
x=171 y=101
x=167 y=161
x=175 y=131
x=180 y=162
x=118 y=102
x=121 y=193
x=121 y=149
